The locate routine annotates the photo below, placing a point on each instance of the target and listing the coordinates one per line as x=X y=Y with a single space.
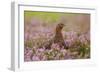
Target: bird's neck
x=58 y=33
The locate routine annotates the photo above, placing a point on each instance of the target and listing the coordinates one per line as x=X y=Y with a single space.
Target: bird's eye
x=61 y=24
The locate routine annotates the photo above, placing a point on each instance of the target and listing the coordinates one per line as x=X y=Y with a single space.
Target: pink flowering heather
x=40 y=29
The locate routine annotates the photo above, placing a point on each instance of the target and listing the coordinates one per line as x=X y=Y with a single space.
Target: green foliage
x=84 y=50
x=28 y=44
x=51 y=17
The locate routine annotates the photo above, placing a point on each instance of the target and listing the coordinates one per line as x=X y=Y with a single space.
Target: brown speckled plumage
x=58 y=38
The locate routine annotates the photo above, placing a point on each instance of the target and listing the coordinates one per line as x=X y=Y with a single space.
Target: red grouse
x=58 y=38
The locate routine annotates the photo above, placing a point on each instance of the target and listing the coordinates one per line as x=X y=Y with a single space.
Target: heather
x=39 y=28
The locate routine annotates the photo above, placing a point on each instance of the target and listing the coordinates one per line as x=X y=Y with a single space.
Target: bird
x=58 y=38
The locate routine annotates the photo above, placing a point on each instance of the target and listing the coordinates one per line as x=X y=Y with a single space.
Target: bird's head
x=59 y=27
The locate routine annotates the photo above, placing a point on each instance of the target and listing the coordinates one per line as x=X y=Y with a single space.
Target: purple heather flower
x=35 y=58
x=55 y=46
